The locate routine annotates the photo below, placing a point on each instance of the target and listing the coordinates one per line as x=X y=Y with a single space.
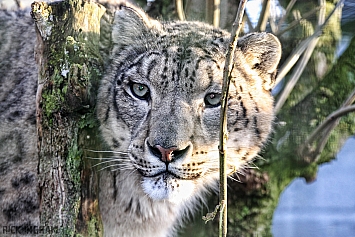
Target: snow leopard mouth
x=169 y=173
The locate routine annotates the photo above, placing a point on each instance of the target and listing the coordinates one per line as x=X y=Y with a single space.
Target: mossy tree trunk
x=70 y=67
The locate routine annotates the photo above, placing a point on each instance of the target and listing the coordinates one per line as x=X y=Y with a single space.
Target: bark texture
x=68 y=36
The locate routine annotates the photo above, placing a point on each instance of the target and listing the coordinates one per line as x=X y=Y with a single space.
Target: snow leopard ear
x=262 y=52
x=132 y=26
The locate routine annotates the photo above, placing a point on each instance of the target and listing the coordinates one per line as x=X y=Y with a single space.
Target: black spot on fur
x=246 y=122
x=173 y=75
x=151 y=65
x=107 y=113
x=129 y=207
x=186 y=72
x=4 y=166
x=114 y=196
x=15 y=115
x=215 y=44
x=244 y=109
x=256 y=129
x=197 y=63
x=24 y=204
x=24 y=179
x=2 y=191
x=115 y=143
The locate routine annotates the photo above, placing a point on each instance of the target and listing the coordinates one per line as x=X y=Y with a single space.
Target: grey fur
x=180 y=63
x=19 y=202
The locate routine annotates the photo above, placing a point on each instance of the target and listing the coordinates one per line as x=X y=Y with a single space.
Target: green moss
x=74 y=162
x=93 y=226
x=88 y=120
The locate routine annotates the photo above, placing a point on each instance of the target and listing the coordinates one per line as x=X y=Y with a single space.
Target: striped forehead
x=177 y=68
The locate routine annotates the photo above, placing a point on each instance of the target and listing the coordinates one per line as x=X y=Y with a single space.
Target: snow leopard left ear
x=262 y=51
x=132 y=26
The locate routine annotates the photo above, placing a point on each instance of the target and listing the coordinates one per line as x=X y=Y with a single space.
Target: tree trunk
x=68 y=34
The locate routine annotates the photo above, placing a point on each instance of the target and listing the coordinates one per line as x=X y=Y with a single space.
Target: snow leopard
x=159 y=110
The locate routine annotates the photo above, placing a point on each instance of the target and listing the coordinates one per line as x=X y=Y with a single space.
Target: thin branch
x=323 y=131
x=264 y=16
x=297 y=21
x=288 y=9
x=350 y=99
x=18 y=4
x=250 y=25
x=180 y=9
x=297 y=72
x=216 y=12
x=311 y=155
x=303 y=63
x=223 y=135
x=293 y=58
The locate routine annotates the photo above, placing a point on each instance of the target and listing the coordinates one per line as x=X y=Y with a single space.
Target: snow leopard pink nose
x=166 y=153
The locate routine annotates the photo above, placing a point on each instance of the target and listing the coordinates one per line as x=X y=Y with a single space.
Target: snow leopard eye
x=213 y=99
x=140 y=91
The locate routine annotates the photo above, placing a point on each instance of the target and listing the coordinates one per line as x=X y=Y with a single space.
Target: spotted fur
x=169 y=130
x=19 y=200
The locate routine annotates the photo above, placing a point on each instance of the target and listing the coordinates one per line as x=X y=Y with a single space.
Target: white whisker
x=234 y=179
x=105 y=162
x=107 y=158
x=127 y=168
x=115 y=152
x=109 y=166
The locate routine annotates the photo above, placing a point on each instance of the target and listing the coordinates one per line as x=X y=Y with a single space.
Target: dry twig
x=223 y=135
x=180 y=10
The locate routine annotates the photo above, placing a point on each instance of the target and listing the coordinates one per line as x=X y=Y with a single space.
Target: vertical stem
x=264 y=16
x=288 y=9
x=216 y=12
x=223 y=135
x=180 y=10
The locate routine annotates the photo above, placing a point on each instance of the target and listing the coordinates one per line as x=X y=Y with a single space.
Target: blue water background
x=324 y=208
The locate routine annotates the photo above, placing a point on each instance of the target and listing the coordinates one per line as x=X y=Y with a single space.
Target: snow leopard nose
x=167 y=155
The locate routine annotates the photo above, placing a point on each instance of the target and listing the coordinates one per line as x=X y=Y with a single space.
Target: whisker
x=106 y=158
x=234 y=179
x=127 y=168
x=252 y=165
x=237 y=175
x=106 y=167
x=108 y=161
x=115 y=152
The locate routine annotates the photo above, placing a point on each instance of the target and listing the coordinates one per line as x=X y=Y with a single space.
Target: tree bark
x=67 y=54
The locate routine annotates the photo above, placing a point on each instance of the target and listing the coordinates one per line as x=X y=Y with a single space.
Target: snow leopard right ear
x=132 y=26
